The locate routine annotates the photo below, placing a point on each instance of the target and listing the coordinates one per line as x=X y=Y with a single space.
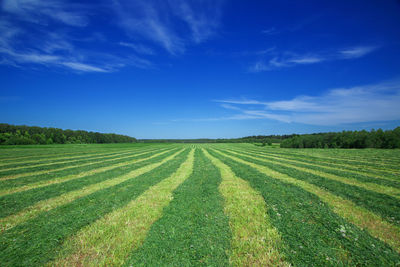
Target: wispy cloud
x=39 y=11
x=368 y=103
x=138 y=48
x=31 y=43
x=270 y=31
x=356 y=52
x=288 y=59
x=157 y=21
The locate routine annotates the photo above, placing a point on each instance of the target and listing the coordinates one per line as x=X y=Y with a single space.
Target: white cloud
x=83 y=67
x=39 y=11
x=290 y=59
x=202 y=17
x=356 y=52
x=158 y=21
x=138 y=48
x=377 y=102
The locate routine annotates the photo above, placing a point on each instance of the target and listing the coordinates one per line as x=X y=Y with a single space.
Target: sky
x=200 y=68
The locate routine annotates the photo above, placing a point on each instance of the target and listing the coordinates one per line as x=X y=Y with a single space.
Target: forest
x=30 y=135
x=346 y=139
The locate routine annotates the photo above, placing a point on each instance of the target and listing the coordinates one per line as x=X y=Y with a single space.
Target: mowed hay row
x=33 y=154
x=254 y=241
x=355 y=214
x=387 y=159
x=386 y=206
x=36 y=181
x=118 y=233
x=311 y=232
x=391 y=191
x=365 y=168
x=358 y=175
x=202 y=204
x=27 y=205
x=81 y=163
x=52 y=161
x=193 y=230
x=46 y=233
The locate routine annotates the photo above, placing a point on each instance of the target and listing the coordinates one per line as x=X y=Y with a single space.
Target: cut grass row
x=80 y=173
x=339 y=171
x=79 y=164
x=361 y=165
x=312 y=233
x=193 y=230
x=108 y=241
x=254 y=241
x=37 y=153
x=384 y=205
x=32 y=170
x=44 y=234
x=378 y=188
x=33 y=181
x=353 y=211
x=23 y=206
x=376 y=157
x=51 y=160
x=363 y=168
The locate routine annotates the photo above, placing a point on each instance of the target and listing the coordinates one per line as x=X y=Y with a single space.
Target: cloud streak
x=290 y=59
x=173 y=25
x=369 y=103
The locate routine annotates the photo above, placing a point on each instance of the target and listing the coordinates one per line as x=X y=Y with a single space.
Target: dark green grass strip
x=340 y=164
x=386 y=206
x=193 y=230
x=343 y=172
x=52 y=161
x=57 y=165
x=39 y=240
x=313 y=235
x=16 y=202
x=376 y=158
x=13 y=183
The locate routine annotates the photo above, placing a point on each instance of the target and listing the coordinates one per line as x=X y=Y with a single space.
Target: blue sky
x=191 y=69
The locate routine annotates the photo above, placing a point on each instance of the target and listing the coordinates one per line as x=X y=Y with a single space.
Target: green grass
x=218 y=205
x=194 y=229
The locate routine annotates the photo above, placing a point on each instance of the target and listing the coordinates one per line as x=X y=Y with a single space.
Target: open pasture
x=198 y=205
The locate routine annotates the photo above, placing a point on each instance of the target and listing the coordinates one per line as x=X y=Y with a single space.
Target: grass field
x=198 y=205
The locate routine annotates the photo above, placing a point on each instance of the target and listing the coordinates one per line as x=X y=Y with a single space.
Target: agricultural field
x=198 y=205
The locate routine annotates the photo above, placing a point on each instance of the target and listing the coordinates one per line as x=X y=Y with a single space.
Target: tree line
x=346 y=139
x=264 y=139
x=30 y=135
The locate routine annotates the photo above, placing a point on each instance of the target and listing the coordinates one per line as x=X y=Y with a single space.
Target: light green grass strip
x=63 y=179
x=48 y=204
x=340 y=167
x=110 y=240
x=255 y=242
x=19 y=175
x=70 y=160
x=359 y=216
x=391 y=191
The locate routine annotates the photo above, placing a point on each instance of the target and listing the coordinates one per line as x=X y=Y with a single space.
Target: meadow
x=198 y=205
